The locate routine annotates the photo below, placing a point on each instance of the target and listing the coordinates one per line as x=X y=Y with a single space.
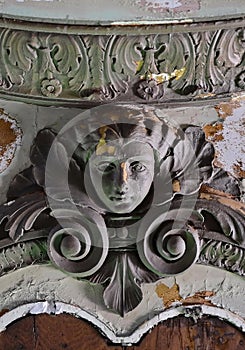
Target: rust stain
x=9 y=138
x=238 y=170
x=169 y=295
x=7 y=135
x=213 y=132
x=206 y=189
x=176 y=186
x=226 y=109
x=225 y=200
x=199 y=298
x=139 y=65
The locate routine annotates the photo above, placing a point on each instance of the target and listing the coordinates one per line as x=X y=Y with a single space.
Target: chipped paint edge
x=57 y=308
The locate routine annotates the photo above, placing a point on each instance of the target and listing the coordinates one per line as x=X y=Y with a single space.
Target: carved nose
x=122 y=178
x=122 y=189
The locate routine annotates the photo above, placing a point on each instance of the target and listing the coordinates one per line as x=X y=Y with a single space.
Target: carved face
x=121 y=173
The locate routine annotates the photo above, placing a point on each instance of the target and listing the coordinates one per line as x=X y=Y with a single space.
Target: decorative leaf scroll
x=163 y=234
x=23 y=254
x=123 y=273
x=84 y=68
x=223 y=255
x=16 y=58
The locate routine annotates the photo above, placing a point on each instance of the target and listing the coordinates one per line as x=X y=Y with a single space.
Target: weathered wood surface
x=45 y=332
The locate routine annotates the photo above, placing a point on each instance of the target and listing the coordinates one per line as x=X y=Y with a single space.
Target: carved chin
x=122 y=205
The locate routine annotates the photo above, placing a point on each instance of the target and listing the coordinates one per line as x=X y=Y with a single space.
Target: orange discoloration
x=226 y=109
x=176 y=186
x=169 y=295
x=213 y=132
x=7 y=134
x=10 y=136
x=124 y=172
x=206 y=189
x=238 y=170
x=199 y=298
x=225 y=200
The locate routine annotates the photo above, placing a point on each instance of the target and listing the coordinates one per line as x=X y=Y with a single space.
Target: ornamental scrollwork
x=93 y=69
x=113 y=198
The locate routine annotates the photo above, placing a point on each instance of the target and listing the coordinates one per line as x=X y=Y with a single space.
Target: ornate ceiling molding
x=86 y=66
x=66 y=208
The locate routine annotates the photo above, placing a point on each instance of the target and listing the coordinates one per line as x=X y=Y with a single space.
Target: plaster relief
x=115 y=198
x=87 y=70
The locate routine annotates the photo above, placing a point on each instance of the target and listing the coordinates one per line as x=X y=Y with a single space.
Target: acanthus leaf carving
x=16 y=57
x=98 y=68
x=122 y=274
x=223 y=255
x=177 y=52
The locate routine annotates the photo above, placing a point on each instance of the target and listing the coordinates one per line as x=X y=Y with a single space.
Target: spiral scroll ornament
x=167 y=247
x=80 y=246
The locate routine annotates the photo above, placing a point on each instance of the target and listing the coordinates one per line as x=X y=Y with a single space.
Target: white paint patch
x=168 y=4
x=145 y=22
x=231 y=150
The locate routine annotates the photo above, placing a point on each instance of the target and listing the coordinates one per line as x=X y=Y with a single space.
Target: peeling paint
x=10 y=138
x=35 y=284
x=205 y=189
x=225 y=200
x=213 y=132
x=169 y=5
x=202 y=297
x=226 y=109
x=171 y=295
x=228 y=137
x=168 y=295
x=162 y=77
x=176 y=185
x=203 y=96
x=191 y=311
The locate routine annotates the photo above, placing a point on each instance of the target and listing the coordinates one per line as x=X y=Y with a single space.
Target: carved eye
x=137 y=167
x=106 y=167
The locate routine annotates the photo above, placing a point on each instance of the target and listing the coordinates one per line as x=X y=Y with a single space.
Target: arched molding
x=43 y=289
x=194 y=311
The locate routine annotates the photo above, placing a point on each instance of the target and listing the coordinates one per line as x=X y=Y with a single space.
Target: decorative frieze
x=85 y=69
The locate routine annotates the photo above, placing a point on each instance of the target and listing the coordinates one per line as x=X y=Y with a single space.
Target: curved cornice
x=78 y=65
